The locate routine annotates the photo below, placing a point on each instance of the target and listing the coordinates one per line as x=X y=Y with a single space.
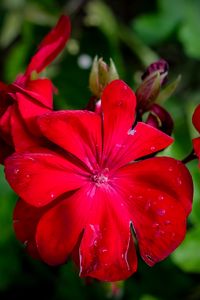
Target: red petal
x=22 y=139
x=78 y=132
x=29 y=110
x=196 y=145
x=107 y=251
x=158 y=194
x=138 y=142
x=40 y=177
x=118 y=106
x=40 y=90
x=50 y=46
x=196 y=118
x=59 y=229
x=25 y=220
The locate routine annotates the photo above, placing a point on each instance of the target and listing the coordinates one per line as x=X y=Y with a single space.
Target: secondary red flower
x=196 y=123
x=25 y=99
x=95 y=189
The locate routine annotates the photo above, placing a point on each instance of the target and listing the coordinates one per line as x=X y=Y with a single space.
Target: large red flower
x=196 y=122
x=25 y=99
x=96 y=190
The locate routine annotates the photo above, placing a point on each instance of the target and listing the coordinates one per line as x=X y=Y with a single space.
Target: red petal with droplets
x=50 y=46
x=138 y=142
x=40 y=177
x=118 y=106
x=25 y=220
x=78 y=132
x=158 y=195
x=59 y=229
x=107 y=251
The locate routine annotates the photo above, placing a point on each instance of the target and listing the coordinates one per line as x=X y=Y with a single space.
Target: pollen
x=100 y=178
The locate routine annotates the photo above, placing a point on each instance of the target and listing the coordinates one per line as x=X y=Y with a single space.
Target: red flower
x=196 y=122
x=93 y=191
x=25 y=99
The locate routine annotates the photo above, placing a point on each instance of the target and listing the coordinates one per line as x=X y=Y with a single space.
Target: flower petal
x=59 y=229
x=39 y=90
x=196 y=118
x=50 y=46
x=25 y=220
x=29 y=110
x=78 y=132
x=107 y=251
x=158 y=194
x=196 y=145
x=118 y=106
x=41 y=176
x=22 y=138
x=138 y=142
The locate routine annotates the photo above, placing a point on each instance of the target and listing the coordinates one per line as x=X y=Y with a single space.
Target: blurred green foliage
x=133 y=34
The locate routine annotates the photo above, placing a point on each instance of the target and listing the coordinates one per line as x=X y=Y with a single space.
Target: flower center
x=101 y=177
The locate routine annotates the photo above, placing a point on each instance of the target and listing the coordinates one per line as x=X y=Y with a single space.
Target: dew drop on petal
x=52 y=195
x=167 y=222
x=153 y=148
x=170 y=169
x=179 y=181
x=131 y=132
x=161 y=198
x=25 y=243
x=155 y=225
x=16 y=171
x=148 y=205
x=28 y=176
x=161 y=212
x=104 y=250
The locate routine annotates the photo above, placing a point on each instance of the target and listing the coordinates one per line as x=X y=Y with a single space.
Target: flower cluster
x=89 y=183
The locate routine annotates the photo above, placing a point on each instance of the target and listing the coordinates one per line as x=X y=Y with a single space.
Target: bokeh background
x=134 y=34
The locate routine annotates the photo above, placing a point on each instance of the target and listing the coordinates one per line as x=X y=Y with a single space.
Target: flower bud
x=152 y=80
x=101 y=74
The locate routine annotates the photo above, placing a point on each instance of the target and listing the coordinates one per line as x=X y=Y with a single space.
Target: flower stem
x=189 y=158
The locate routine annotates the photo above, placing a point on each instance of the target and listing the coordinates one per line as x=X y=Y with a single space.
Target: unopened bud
x=153 y=79
x=101 y=74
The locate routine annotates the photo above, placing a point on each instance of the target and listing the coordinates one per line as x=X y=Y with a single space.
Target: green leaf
x=11 y=29
x=187 y=256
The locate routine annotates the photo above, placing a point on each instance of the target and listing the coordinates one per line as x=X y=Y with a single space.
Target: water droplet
x=161 y=197
x=179 y=181
x=16 y=171
x=153 y=148
x=28 y=176
x=122 y=256
x=52 y=195
x=155 y=225
x=104 y=250
x=161 y=212
x=148 y=205
x=167 y=222
x=95 y=243
x=25 y=243
x=131 y=132
x=130 y=197
x=170 y=169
